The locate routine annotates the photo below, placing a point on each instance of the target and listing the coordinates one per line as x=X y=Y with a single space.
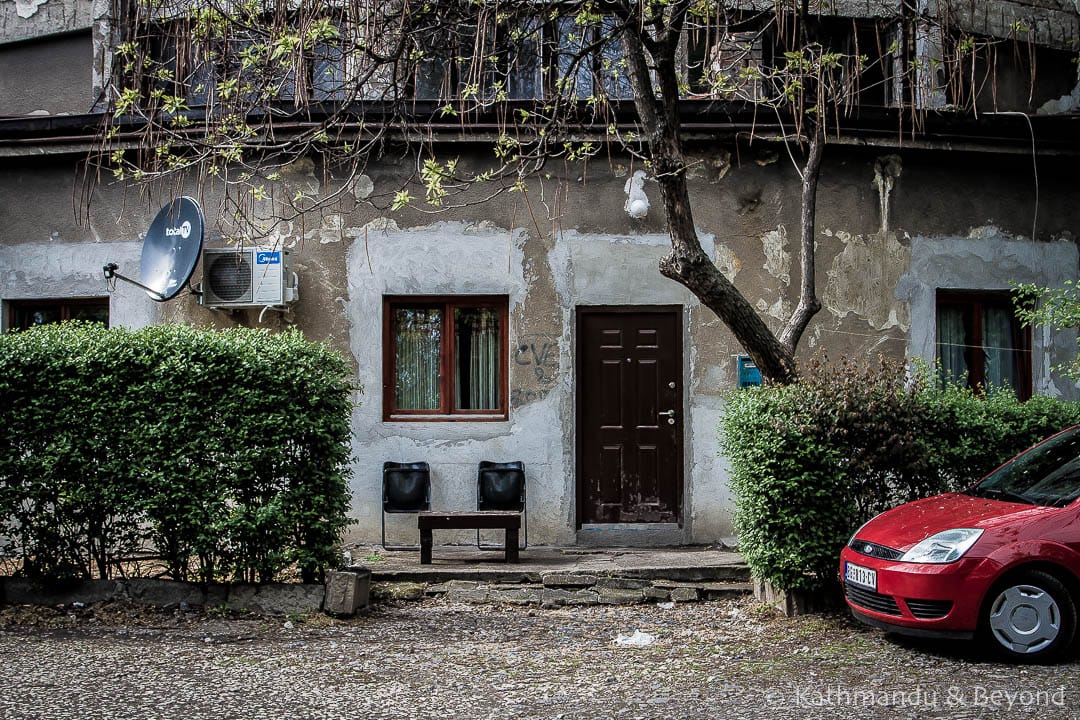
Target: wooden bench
x=468 y=520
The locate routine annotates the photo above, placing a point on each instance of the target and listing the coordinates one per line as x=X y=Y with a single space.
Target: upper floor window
x=521 y=60
x=980 y=342
x=741 y=57
x=249 y=65
x=445 y=358
x=23 y=314
x=725 y=62
x=490 y=56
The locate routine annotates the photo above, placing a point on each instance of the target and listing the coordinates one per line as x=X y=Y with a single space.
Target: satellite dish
x=171 y=248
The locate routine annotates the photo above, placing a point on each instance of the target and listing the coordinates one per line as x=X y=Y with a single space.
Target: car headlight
x=945 y=547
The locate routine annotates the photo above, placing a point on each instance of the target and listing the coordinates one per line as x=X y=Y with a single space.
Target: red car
x=1000 y=560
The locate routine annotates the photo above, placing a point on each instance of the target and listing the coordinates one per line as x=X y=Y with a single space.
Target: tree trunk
x=808 y=300
x=688 y=263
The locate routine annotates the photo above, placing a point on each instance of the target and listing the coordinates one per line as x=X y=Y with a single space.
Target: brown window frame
x=975 y=301
x=446 y=411
x=66 y=306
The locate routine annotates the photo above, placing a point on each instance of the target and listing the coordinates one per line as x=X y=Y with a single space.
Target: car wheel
x=1030 y=617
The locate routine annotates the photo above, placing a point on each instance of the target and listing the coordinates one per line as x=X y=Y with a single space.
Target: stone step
x=727 y=573
x=560 y=589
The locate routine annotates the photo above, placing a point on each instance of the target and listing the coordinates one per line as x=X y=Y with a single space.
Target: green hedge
x=810 y=462
x=225 y=453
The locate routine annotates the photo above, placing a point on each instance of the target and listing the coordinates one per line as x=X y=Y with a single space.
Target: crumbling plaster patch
x=727 y=261
x=28 y=8
x=22 y=20
x=862 y=277
x=546 y=278
x=777 y=257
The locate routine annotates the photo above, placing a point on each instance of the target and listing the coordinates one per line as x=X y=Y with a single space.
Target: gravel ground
x=436 y=659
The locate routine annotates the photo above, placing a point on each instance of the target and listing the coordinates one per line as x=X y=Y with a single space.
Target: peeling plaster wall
x=51 y=55
x=861 y=277
x=37 y=271
x=32 y=19
x=577 y=269
x=445 y=258
x=990 y=260
x=890 y=231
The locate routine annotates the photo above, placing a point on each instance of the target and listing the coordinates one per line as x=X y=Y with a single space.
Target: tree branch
x=809 y=304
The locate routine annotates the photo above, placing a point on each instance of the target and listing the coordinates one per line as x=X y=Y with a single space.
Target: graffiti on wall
x=535 y=362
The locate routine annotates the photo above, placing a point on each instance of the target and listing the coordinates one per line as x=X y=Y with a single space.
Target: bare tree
x=231 y=92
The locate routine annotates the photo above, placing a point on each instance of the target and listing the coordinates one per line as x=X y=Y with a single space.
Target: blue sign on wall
x=749 y=375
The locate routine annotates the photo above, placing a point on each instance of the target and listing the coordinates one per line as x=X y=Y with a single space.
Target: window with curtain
x=980 y=342
x=445 y=358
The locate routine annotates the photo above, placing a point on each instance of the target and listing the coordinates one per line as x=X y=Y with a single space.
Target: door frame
x=676 y=311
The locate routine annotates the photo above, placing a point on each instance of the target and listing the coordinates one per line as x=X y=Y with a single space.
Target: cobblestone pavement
x=438 y=659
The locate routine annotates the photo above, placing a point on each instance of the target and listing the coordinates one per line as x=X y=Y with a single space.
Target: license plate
x=861 y=576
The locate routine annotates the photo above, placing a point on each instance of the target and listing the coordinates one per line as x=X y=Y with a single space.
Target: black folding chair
x=501 y=486
x=406 y=488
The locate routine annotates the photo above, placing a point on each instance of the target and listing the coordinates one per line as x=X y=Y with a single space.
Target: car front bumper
x=921 y=599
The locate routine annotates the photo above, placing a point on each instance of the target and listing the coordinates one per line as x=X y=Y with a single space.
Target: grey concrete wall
x=890 y=231
x=22 y=20
x=49 y=76
x=31 y=19
x=38 y=271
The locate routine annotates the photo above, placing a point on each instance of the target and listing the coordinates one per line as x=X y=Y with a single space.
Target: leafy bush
x=225 y=453
x=812 y=461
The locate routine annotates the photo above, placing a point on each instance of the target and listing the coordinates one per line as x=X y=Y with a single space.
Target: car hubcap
x=1025 y=619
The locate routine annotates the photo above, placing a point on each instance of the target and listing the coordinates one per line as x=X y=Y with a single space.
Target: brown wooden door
x=629 y=415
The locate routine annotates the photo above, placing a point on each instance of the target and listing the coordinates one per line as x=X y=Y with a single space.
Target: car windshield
x=1048 y=474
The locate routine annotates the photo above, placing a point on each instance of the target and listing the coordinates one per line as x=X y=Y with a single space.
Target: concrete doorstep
x=561 y=589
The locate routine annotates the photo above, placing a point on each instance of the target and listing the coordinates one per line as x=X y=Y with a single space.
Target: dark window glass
x=23 y=314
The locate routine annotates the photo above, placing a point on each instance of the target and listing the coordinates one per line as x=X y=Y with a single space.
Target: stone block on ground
x=347 y=592
x=407 y=591
x=518 y=596
x=168 y=593
x=557 y=597
x=469 y=595
x=656 y=593
x=719 y=591
x=797 y=602
x=445 y=587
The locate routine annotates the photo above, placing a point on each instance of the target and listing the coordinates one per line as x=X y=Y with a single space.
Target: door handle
x=667 y=413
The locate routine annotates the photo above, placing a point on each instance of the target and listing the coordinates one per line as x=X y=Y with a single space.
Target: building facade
x=536 y=326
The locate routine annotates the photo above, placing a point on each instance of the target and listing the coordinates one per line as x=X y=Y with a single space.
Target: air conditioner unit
x=247 y=277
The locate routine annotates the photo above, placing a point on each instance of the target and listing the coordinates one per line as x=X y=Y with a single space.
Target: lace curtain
x=999 y=345
x=419 y=343
x=952 y=344
x=476 y=358
x=989 y=360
